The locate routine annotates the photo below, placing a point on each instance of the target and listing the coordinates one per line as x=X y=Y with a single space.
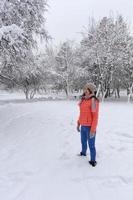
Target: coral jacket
x=89 y=109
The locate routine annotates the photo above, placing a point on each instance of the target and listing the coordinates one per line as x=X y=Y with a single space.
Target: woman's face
x=87 y=92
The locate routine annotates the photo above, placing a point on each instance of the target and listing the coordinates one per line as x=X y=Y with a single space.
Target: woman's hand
x=92 y=135
x=78 y=127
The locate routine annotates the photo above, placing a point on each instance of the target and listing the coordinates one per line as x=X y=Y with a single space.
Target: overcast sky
x=66 y=18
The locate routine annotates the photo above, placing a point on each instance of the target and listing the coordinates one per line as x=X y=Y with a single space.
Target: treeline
x=103 y=56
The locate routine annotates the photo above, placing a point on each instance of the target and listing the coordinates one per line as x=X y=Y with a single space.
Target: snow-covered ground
x=38 y=153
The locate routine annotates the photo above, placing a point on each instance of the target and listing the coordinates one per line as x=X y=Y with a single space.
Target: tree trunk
x=26 y=92
x=118 y=92
x=104 y=94
x=130 y=92
x=98 y=90
x=66 y=91
x=32 y=94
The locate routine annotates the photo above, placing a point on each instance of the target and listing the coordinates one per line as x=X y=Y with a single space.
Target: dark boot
x=82 y=154
x=93 y=163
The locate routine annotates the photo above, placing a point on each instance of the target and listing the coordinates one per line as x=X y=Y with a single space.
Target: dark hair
x=94 y=96
x=89 y=91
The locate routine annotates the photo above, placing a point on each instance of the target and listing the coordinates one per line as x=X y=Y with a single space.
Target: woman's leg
x=84 y=138
x=92 y=148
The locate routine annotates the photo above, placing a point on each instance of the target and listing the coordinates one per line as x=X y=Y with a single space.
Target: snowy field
x=39 y=146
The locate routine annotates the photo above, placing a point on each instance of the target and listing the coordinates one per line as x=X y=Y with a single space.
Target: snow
x=12 y=32
x=4 y=95
x=38 y=153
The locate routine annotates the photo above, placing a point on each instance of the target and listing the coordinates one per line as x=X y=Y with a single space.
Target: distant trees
x=65 y=68
x=104 y=55
x=107 y=48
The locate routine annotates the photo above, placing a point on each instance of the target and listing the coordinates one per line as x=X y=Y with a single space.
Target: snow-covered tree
x=105 y=49
x=65 y=66
x=21 y=21
x=46 y=63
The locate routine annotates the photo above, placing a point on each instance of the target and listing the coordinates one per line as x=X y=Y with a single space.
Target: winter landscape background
x=40 y=86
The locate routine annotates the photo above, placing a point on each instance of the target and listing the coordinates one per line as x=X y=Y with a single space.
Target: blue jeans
x=85 y=137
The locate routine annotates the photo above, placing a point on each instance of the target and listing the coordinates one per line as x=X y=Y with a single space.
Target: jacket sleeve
x=78 y=122
x=95 y=113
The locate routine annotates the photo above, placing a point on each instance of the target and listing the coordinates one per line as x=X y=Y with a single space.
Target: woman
x=88 y=119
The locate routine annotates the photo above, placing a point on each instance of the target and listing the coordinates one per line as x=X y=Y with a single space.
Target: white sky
x=66 y=18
